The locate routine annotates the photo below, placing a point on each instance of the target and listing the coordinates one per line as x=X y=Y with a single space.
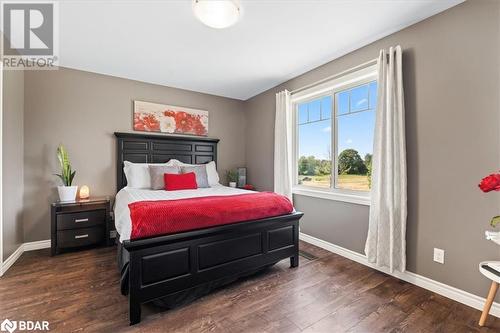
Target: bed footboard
x=164 y=265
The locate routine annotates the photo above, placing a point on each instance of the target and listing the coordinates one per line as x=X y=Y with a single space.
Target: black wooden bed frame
x=164 y=265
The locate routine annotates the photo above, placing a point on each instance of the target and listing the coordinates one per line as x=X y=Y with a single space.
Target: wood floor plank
x=80 y=292
x=385 y=318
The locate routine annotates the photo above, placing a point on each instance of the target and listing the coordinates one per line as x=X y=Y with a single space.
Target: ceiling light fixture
x=216 y=14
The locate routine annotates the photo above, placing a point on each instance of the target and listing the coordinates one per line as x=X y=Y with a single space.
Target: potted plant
x=66 y=192
x=232 y=177
x=492 y=183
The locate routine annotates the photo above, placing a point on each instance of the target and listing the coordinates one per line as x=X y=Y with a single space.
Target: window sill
x=343 y=197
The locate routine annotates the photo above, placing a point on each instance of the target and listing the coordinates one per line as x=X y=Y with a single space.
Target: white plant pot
x=67 y=193
x=493 y=236
x=232 y=184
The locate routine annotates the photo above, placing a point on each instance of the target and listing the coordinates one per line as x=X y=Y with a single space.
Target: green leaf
x=62 y=178
x=71 y=178
x=67 y=174
x=495 y=220
x=62 y=155
x=59 y=156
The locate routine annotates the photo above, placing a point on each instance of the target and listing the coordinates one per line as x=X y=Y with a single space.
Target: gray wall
x=12 y=160
x=451 y=78
x=325 y=219
x=82 y=110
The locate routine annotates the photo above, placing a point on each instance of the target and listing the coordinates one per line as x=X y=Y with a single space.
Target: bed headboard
x=150 y=148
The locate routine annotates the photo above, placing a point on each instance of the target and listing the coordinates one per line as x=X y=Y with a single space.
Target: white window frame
x=329 y=88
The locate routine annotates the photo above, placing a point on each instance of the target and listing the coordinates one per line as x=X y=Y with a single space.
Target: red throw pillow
x=183 y=181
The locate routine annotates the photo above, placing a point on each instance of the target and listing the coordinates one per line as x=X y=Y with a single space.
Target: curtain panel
x=283 y=144
x=386 y=241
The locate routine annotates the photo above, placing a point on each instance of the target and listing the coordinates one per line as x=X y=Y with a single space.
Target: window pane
x=315 y=110
x=343 y=102
x=359 y=98
x=314 y=163
x=302 y=113
x=326 y=107
x=373 y=95
x=355 y=147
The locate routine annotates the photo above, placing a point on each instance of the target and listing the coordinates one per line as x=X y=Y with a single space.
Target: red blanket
x=151 y=218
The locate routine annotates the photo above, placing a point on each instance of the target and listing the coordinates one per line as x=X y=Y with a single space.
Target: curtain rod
x=347 y=71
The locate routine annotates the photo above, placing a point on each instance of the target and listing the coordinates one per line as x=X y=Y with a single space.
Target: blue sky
x=355 y=129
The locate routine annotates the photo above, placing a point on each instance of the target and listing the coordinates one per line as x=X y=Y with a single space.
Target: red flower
x=183 y=122
x=169 y=113
x=490 y=183
x=199 y=129
x=138 y=124
x=146 y=122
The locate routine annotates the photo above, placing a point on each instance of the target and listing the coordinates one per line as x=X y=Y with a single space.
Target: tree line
x=350 y=163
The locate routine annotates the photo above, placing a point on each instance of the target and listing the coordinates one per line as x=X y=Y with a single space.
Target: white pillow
x=212 y=175
x=138 y=173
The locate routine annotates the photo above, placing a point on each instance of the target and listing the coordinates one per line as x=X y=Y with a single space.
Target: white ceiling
x=161 y=41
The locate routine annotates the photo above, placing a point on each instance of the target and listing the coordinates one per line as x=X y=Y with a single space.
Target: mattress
x=127 y=195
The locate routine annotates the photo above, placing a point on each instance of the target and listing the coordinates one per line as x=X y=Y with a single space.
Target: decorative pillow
x=212 y=175
x=183 y=181
x=137 y=174
x=201 y=174
x=178 y=163
x=156 y=173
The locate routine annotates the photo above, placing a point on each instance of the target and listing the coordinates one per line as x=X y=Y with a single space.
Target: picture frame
x=170 y=119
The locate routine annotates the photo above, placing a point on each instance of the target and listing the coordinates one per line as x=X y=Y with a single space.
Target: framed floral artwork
x=153 y=117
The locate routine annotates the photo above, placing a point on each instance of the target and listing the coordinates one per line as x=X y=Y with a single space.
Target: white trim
x=337 y=75
x=11 y=259
x=336 y=196
x=30 y=246
x=337 y=83
x=445 y=290
x=38 y=245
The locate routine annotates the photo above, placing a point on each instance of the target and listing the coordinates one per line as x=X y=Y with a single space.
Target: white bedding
x=128 y=195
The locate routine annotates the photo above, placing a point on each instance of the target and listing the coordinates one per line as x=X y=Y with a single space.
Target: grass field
x=351 y=182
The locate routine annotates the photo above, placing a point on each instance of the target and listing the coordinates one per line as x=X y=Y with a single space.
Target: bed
x=183 y=263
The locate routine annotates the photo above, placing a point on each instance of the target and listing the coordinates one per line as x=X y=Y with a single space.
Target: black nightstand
x=81 y=223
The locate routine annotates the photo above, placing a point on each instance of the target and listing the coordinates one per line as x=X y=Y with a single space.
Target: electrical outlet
x=439 y=255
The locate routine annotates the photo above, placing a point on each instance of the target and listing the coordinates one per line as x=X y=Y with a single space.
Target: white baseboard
x=30 y=246
x=445 y=290
x=11 y=259
x=38 y=245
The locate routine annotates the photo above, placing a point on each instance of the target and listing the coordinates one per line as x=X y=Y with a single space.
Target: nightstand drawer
x=80 y=237
x=83 y=219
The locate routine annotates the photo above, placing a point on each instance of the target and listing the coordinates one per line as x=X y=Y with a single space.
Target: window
x=334 y=127
x=314 y=132
x=355 y=126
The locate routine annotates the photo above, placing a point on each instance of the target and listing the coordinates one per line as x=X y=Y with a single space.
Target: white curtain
x=386 y=242
x=283 y=145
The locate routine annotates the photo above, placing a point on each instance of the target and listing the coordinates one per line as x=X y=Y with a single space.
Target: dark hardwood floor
x=79 y=292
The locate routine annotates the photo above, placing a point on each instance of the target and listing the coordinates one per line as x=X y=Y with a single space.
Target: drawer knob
x=81 y=236
x=81 y=220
